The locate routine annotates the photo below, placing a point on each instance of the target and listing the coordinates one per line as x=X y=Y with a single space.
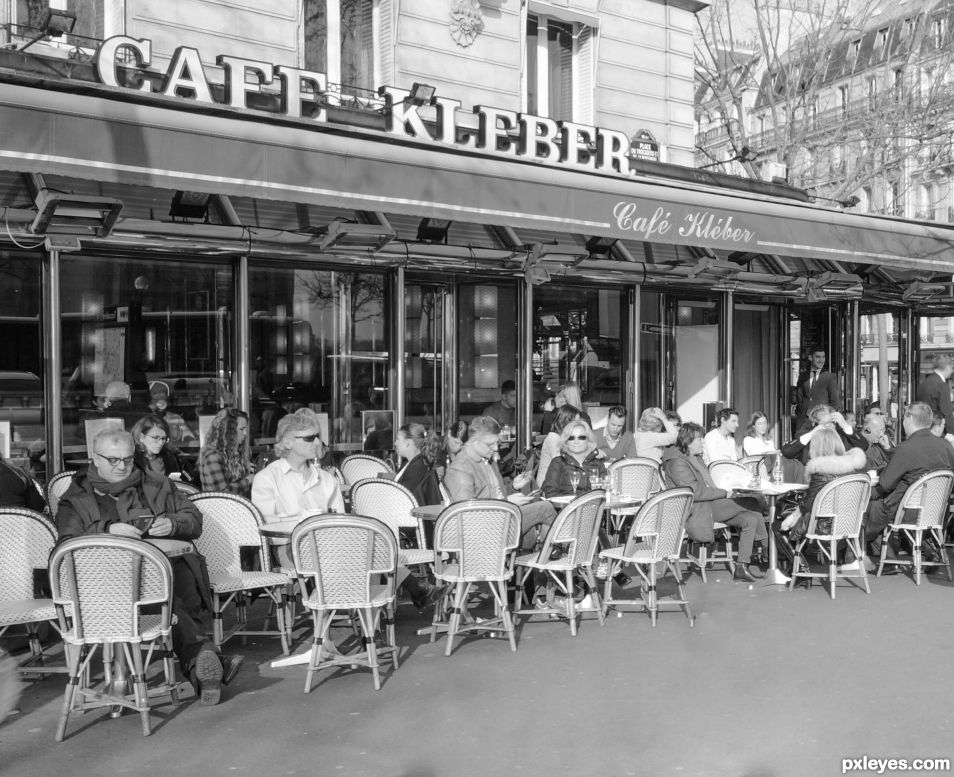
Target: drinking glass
x=574 y=481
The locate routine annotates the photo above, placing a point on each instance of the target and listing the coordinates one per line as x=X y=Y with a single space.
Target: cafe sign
x=502 y=133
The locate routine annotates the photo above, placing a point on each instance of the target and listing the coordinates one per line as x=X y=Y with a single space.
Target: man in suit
x=935 y=391
x=921 y=453
x=816 y=386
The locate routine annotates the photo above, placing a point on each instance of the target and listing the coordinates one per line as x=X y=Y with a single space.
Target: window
x=843 y=99
x=871 y=87
x=897 y=205
x=898 y=83
x=351 y=60
x=882 y=41
x=926 y=202
x=855 y=51
x=939 y=29
x=815 y=112
x=559 y=69
x=867 y=199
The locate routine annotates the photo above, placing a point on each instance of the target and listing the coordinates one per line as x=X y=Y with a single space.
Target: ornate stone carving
x=466 y=21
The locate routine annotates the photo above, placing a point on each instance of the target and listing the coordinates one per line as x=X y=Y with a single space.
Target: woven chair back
x=445 y=494
x=638 y=477
x=928 y=495
x=726 y=474
x=661 y=523
x=104 y=581
x=339 y=478
x=385 y=500
x=577 y=527
x=844 y=500
x=360 y=466
x=26 y=539
x=481 y=533
x=343 y=556
x=229 y=522
x=55 y=488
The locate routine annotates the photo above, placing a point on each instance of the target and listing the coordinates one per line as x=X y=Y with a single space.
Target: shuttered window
x=559 y=68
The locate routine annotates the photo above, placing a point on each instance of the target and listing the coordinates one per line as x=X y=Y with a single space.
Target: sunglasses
x=115 y=461
x=577 y=437
x=308 y=437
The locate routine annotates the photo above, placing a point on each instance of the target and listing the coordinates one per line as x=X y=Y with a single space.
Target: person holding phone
x=112 y=496
x=153 y=454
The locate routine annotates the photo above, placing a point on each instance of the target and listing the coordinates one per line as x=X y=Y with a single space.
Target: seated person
x=828 y=460
x=614 y=441
x=826 y=416
x=578 y=455
x=654 y=432
x=757 y=440
x=294 y=486
x=473 y=474
x=919 y=454
x=551 y=445
x=112 y=497
x=504 y=411
x=880 y=449
x=17 y=489
x=417 y=475
x=683 y=467
x=224 y=460
x=159 y=406
x=719 y=443
x=153 y=453
x=452 y=443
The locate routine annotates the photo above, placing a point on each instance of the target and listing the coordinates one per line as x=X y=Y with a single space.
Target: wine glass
x=574 y=481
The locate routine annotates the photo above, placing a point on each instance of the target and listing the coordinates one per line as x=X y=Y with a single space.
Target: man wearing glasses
x=473 y=474
x=112 y=496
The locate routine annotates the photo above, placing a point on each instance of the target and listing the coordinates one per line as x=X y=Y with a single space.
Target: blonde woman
x=569 y=473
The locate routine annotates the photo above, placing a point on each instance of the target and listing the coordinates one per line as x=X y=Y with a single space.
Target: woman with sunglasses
x=152 y=454
x=569 y=473
x=224 y=461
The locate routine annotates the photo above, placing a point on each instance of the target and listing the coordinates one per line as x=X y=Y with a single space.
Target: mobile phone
x=144 y=523
x=536 y=492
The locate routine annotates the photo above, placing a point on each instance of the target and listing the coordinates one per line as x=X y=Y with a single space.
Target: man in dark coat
x=935 y=391
x=815 y=386
x=113 y=497
x=921 y=453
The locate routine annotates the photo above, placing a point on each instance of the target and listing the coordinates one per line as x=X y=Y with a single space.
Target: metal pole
x=53 y=362
x=399 y=329
x=727 y=344
x=241 y=368
x=525 y=358
x=631 y=399
x=853 y=342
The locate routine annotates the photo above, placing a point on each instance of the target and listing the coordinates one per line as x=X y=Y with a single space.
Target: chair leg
x=916 y=556
x=651 y=604
x=134 y=660
x=855 y=545
x=367 y=629
x=218 y=630
x=703 y=560
x=680 y=586
x=460 y=591
x=390 y=632
x=832 y=568
x=76 y=659
x=590 y=579
x=169 y=669
x=570 y=602
x=884 y=550
x=322 y=624
x=505 y=614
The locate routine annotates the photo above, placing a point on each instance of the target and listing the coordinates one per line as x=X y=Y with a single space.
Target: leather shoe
x=425 y=595
x=230 y=667
x=622 y=580
x=747 y=573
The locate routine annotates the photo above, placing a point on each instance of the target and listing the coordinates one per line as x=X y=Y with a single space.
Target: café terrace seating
x=360 y=466
x=101 y=586
x=842 y=502
x=347 y=564
x=921 y=515
x=392 y=503
x=637 y=478
x=55 y=488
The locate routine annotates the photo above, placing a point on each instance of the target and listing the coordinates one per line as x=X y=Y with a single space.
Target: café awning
x=104 y=134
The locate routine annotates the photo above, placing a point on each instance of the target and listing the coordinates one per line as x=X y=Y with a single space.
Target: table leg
x=773 y=575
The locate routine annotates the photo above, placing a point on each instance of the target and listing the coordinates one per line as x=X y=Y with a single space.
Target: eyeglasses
x=157 y=439
x=577 y=437
x=115 y=461
x=308 y=437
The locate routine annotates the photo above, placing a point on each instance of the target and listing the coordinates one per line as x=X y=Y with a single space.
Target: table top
x=428 y=512
x=171 y=548
x=772 y=489
x=279 y=528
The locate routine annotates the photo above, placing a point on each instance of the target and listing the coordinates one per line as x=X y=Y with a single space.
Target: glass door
x=694 y=366
x=426 y=353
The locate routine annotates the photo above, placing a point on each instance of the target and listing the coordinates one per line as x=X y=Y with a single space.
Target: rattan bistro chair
x=55 y=488
x=26 y=539
x=729 y=474
x=844 y=501
x=340 y=561
x=573 y=535
x=360 y=466
x=474 y=543
x=392 y=503
x=101 y=586
x=635 y=477
x=655 y=537
x=928 y=498
x=229 y=523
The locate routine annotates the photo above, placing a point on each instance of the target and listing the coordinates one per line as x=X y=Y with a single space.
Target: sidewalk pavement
x=769 y=683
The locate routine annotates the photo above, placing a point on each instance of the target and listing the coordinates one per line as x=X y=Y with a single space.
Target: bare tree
x=840 y=93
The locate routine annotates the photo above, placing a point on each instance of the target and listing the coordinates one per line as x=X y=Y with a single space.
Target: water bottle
x=777 y=469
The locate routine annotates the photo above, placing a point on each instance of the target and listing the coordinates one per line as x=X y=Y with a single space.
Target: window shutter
x=386 y=76
x=586 y=77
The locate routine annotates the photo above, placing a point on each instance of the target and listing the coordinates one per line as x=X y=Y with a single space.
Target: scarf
x=125 y=493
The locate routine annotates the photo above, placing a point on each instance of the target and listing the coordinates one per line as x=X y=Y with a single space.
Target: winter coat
x=820 y=471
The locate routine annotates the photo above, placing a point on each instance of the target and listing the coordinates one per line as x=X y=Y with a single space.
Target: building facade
x=191 y=198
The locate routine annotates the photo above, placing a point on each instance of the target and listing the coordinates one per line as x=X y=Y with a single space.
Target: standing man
x=613 y=439
x=935 y=391
x=719 y=444
x=816 y=386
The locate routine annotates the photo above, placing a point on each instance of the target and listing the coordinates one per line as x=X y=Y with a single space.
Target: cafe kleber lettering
x=694 y=224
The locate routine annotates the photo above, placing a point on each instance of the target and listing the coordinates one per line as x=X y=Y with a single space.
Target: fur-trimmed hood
x=852 y=461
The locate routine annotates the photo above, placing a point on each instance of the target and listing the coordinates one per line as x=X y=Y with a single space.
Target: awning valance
x=100 y=136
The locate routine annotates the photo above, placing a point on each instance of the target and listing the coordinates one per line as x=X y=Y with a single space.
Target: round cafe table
x=771 y=492
x=279 y=529
x=171 y=548
x=428 y=512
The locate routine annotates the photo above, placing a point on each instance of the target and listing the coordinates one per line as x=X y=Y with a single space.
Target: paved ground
x=768 y=684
